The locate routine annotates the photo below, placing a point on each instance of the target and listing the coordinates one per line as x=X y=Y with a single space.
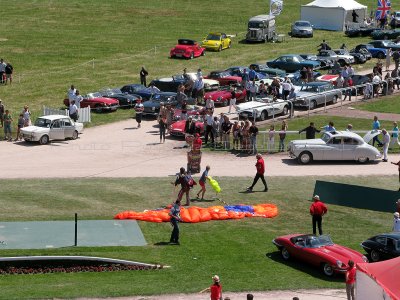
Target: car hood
x=254 y=104
x=215 y=94
x=338 y=252
x=103 y=99
x=150 y=103
x=370 y=135
x=35 y=129
x=181 y=47
x=308 y=142
x=302 y=28
x=301 y=94
x=211 y=42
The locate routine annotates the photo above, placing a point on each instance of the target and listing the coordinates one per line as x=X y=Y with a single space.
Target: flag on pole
x=275 y=7
x=383 y=9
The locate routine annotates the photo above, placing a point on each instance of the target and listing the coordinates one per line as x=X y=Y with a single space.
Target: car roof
x=262 y=18
x=316 y=83
x=394 y=235
x=53 y=117
x=303 y=21
x=186 y=42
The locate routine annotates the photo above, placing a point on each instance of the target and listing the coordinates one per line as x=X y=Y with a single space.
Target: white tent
x=332 y=14
x=378 y=280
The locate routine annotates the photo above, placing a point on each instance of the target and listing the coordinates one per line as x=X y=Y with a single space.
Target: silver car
x=302 y=29
x=52 y=127
x=338 y=145
x=313 y=94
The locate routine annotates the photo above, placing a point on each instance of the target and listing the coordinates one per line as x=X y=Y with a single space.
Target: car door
x=333 y=149
x=349 y=148
x=381 y=244
x=68 y=127
x=56 y=130
x=390 y=248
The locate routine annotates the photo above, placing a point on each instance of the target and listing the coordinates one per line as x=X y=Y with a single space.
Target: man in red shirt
x=317 y=210
x=350 y=280
x=260 y=166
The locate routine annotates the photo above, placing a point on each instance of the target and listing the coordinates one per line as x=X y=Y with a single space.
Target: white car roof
x=53 y=117
x=344 y=134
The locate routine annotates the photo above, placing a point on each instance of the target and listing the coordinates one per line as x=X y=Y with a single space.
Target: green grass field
x=53 y=44
x=387 y=105
x=236 y=250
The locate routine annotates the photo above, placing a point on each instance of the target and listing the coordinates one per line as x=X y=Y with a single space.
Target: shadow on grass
x=304 y=267
x=204 y=200
x=164 y=244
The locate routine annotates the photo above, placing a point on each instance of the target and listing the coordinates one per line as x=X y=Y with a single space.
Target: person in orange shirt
x=215 y=289
x=317 y=210
x=350 y=280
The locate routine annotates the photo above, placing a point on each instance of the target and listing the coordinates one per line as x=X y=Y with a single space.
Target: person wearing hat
x=215 y=289
x=174 y=213
x=260 y=166
x=396 y=222
x=2 y=111
x=317 y=210
x=139 y=108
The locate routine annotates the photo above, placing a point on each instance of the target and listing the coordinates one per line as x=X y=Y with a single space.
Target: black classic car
x=385 y=45
x=125 y=100
x=360 y=31
x=169 y=84
x=383 y=246
x=152 y=106
x=358 y=57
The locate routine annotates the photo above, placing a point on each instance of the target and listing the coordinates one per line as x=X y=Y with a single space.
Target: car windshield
x=256 y=25
x=161 y=98
x=117 y=91
x=318 y=241
x=309 y=88
x=93 y=95
x=220 y=74
x=213 y=37
x=326 y=137
x=302 y=24
x=42 y=122
x=342 y=52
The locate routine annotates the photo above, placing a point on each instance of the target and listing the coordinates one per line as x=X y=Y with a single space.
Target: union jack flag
x=383 y=9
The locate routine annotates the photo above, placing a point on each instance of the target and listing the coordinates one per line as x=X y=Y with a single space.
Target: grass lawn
x=388 y=105
x=236 y=250
x=97 y=44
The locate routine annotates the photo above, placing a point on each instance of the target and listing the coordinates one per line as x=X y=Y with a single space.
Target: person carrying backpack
x=183 y=179
x=8 y=71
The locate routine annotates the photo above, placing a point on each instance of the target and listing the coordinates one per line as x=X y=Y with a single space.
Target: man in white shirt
x=209 y=120
x=71 y=93
x=153 y=89
x=286 y=87
x=385 y=142
x=253 y=91
x=396 y=222
x=78 y=99
x=2 y=70
x=73 y=111
x=210 y=104
x=198 y=88
x=350 y=71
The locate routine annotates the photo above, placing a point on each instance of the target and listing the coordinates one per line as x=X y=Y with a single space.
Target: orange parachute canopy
x=196 y=214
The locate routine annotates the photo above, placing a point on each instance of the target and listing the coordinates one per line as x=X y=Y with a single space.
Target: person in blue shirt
x=376 y=125
x=252 y=74
x=175 y=219
x=395 y=135
x=202 y=183
x=329 y=127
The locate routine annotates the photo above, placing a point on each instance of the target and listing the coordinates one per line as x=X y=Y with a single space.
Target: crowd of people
x=7 y=121
x=6 y=72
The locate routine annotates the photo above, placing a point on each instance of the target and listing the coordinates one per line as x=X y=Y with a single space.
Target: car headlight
x=364 y=258
x=339 y=263
x=153 y=108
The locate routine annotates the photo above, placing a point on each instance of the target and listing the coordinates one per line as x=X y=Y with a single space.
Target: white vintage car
x=338 y=145
x=263 y=108
x=52 y=127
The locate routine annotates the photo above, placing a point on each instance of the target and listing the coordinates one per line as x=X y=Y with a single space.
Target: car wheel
x=220 y=48
x=381 y=55
x=264 y=115
x=375 y=256
x=305 y=157
x=327 y=269
x=363 y=160
x=285 y=254
x=341 y=62
x=334 y=100
x=203 y=53
x=285 y=111
x=75 y=135
x=225 y=103
x=44 y=140
x=230 y=44
x=98 y=109
x=313 y=104
x=191 y=55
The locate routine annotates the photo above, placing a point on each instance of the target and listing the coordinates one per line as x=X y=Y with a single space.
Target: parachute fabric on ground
x=214 y=184
x=196 y=214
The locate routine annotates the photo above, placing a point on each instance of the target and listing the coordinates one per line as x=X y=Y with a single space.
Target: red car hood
x=338 y=252
x=216 y=94
x=182 y=47
x=102 y=99
x=180 y=126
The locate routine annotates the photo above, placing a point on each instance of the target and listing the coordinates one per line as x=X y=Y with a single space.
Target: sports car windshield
x=41 y=122
x=309 y=88
x=302 y=24
x=318 y=241
x=326 y=137
x=213 y=37
x=256 y=25
x=160 y=98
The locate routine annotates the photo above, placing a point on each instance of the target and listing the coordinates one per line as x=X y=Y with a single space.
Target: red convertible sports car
x=187 y=49
x=191 y=110
x=224 y=77
x=223 y=95
x=178 y=128
x=319 y=251
x=97 y=102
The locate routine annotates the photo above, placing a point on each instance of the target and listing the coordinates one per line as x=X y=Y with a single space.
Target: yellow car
x=216 y=41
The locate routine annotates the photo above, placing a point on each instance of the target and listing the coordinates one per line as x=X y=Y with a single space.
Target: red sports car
x=97 y=102
x=192 y=110
x=319 y=251
x=178 y=128
x=223 y=95
x=224 y=78
x=187 y=49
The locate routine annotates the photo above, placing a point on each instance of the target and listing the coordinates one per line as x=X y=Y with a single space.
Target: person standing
x=271 y=139
x=232 y=101
x=174 y=213
x=73 y=111
x=27 y=116
x=329 y=128
x=7 y=125
x=282 y=136
x=78 y=99
x=198 y=88
x=376 y=125
x=20 y=125
x=181 y=179
x=388 y=57
x=226 y=127
x=396 y=222
x=215 y=289
x=253 y=138
x=395 y=135
x=385 y=142
x=310 y=131
x=210 y=104
x=260 y=166
x=202 y=183
x=398 y=165
x=355 y=16
x=236 y=134
x=162 y=121
x=209 y=120
x=252 y=91
x=143 y=75
x=396 y=59
x=350 y=280
x=169 y=116
x=317 y=210
x=139 y=108
x=9 y=71
x=71 y=93
x=2 y=71
x=2 y=111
